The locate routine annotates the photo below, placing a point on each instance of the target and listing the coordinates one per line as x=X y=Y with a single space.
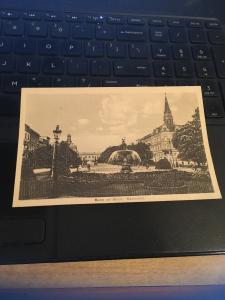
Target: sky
x=101 y=119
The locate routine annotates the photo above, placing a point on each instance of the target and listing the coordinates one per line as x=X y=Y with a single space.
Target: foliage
x=163 y=164
x=143 y=150
x=188 y=141
x=42 y=158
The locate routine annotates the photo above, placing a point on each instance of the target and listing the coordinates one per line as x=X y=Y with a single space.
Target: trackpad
x=22 y=231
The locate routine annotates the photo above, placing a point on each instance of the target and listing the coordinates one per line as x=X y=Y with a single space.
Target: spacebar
x=23 y=231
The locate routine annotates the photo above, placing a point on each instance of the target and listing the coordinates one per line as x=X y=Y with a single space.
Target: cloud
x=152 y=108
x=100 y=128
x=83 y=122
x=119 y=113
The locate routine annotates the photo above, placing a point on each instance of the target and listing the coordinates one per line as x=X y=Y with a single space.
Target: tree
x=188 y=141
x=66 y=158
x=143 y=150
x=163 y=164
x=105 y=155
x=42 y=157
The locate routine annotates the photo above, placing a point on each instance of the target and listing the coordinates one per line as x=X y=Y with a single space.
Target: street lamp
x=54 y=174
x=57 y=132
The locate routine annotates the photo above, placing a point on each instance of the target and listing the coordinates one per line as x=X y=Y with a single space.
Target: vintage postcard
x=113 y=145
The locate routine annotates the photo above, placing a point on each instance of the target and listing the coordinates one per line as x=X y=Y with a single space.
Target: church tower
x=168 y=118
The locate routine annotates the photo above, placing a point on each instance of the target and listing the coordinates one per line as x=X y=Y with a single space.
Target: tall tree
x=143 y=150
x=105 y=155
x=42 y=157
x=188 y=141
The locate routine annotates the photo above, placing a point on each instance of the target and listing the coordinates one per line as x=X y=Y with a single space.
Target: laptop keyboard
x=48 y=49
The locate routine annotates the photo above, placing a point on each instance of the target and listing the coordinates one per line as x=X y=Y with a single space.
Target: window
x=27 y=136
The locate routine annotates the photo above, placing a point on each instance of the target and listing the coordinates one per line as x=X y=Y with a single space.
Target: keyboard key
x=141 y=69
x=82 y=31
x=31 y=15
x=216 y=37
x=95 y=19
x=39 y=81
x=184 y=69
x=123 y=82
x=219 y=55
x=89 y=82
x=201 y=53
x=213 y=108
x=138 y=50
x=60 y=30
x=53 y=66
x=104 y=32
x=157 y=21
x=61 y=81
x=9 y=14
x=197 y=36
x=186 y=82
x=181 y=52
x=163 y=69
x=210 y=88
x=135 y=21
x=194 y=24
x=213 y=25
x=116 y=20
x=116 y=50
x=25 y=46
x=49 y=16
x=7 y=63
x=74 y=18
x=14 y=83
x=48 y=47
x=127 y=68
x=94 y=49
x=100 y=68
x=71 y=48
x=177 y=35
x=176 y=23
x=14 y=28
x=37 y=29
x=131 y=33
x=159 y=34
x=28 y=64
x=164 y=82
x=5 y=45
x=161 y=52
x=205 y=70
x=77 y=67
x=222 y=85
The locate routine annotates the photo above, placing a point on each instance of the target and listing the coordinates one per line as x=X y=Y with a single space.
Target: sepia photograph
x=113 y=145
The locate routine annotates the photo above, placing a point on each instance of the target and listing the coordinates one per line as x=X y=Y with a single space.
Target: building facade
x=72 y=146
x=31 y=139
x=160 y=139
x=89 y=156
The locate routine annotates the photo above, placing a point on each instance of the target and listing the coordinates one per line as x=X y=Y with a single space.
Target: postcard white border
x=26 y=92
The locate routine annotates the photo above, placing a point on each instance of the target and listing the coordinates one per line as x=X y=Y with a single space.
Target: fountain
x=124 y=157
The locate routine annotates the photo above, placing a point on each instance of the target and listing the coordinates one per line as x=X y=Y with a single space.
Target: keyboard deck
x=48 y=49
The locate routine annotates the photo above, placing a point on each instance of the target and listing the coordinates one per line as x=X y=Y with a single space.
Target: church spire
x=168 y=118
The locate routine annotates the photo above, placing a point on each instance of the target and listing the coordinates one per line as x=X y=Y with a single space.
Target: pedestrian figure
x=88 y=166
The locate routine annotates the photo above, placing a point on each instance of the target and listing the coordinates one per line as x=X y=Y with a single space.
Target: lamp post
x=54 y=174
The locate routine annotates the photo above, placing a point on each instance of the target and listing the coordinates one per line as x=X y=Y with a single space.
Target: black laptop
x=185 y=43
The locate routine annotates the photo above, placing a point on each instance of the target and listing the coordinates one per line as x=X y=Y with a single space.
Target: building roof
x=167 y=107
x=160 y=128
x=30 y=130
